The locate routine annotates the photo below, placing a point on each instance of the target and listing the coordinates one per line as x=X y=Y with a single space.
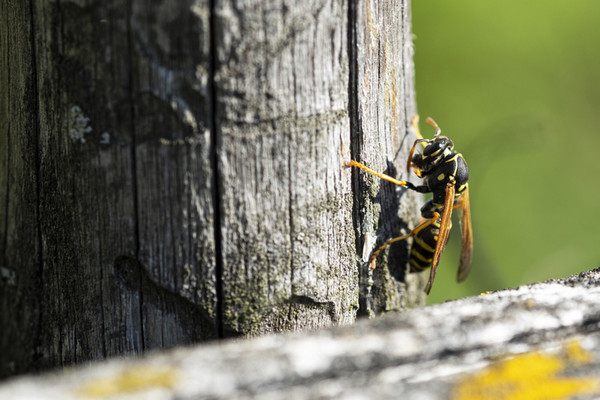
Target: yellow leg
x=377 y=174
x=418 y=229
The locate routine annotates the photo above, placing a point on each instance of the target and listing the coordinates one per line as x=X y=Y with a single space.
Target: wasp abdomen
x=421 y=254
x=423 y=248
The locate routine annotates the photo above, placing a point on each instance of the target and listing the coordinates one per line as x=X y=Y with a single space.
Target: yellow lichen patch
x=530 y=303
x=130 y=381
x=531 y=376
x=577 y=354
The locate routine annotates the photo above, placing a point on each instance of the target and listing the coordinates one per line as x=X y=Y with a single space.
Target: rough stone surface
x=538 y=341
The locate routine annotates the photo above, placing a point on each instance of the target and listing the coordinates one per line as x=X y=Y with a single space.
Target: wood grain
x=173 y=172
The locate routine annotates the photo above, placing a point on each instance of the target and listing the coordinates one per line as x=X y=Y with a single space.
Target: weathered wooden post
x=173 y=171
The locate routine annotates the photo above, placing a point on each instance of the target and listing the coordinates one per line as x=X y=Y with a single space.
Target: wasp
x=445 y=175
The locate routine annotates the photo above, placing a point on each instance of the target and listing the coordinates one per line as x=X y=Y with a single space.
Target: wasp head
x=437 y=149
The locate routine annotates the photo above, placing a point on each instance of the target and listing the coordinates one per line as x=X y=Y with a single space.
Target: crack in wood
x=214 y=151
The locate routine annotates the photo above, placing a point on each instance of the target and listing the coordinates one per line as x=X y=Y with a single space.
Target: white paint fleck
x=368 y=246
x=190 y=120
x=105 y=138
x=78 y=124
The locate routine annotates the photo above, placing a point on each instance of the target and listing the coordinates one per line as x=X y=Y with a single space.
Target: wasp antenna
x=415 y=124
x=431 y=122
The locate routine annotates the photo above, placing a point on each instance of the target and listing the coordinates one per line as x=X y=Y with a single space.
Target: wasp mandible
x=445 y=174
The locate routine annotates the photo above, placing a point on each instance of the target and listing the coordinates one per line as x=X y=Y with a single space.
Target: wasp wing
x=467 y=238
x=443 y=235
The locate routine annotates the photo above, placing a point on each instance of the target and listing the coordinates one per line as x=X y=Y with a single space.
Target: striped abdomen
x=423 y=248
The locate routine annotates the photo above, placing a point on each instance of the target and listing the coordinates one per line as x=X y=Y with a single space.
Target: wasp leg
x=379 y=174
x=435 y=217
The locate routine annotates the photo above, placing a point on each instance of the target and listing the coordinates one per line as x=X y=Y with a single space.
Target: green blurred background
x=516 y=85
